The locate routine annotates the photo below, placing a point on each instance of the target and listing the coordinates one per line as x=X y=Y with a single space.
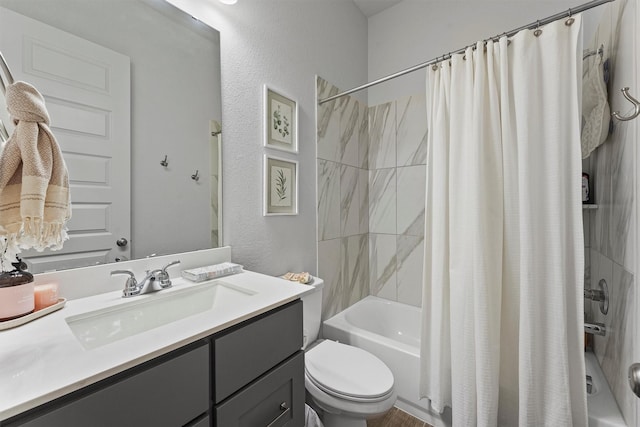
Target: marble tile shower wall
x=343 y=199
x=397 y=169
x=610 y=254
x=371 y=173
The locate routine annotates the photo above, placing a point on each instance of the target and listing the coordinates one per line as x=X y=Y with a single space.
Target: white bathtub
x=603 y=410
x=391 y=331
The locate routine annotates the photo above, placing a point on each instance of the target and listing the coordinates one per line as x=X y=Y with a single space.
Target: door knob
x=122 y=242
x=634 y=378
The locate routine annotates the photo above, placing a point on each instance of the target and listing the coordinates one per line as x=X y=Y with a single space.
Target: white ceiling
x=371 y=7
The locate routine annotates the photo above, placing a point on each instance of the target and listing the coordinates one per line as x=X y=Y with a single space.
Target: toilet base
x=333 y=420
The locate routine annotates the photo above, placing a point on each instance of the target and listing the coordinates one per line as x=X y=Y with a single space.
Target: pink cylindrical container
x=16 y=293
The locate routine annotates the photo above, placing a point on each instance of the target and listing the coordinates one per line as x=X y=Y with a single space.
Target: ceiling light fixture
x=228 y=1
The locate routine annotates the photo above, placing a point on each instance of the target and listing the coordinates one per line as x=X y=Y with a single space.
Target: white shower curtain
x=502 y=331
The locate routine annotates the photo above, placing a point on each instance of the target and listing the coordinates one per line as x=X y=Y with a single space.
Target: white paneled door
x=87 y=92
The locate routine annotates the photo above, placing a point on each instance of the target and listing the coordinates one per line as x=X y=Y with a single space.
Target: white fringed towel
x=34 y=182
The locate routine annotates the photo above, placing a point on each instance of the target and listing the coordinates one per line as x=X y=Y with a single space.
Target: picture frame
x=280 y=121
x=280 y=186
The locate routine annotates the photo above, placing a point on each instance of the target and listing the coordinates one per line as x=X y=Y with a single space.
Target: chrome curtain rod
x=567 y=13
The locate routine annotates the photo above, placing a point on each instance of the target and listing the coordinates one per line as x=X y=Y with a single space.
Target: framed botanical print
x=280 y=186
x=280 y=121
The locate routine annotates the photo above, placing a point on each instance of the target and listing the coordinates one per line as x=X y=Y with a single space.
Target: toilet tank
x=312 y=312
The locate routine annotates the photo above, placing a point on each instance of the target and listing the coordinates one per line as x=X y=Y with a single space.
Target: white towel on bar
x=595 y=105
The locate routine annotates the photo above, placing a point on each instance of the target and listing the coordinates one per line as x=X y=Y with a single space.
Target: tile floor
x=396 y=418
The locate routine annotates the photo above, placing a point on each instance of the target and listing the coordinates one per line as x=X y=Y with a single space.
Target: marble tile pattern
x=329 y=209
x=382 y=201
x=343 y=263
x=363 y=189
x=350 y=124
x=610 y=240
x=411 y=187
x=611 y=226
x=349 y=201
x=615 y=350
x=363 y=139
x=383 y=266
x=588 y=307
x=382 y=136
x=409 y=266
x=342 y=200
x=329 y=263
x=411 y=116
x=371 y=173
x=397 y=171
x=328 y=122
x=355 y=269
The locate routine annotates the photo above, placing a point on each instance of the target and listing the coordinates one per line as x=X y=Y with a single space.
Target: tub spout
x=595 y=328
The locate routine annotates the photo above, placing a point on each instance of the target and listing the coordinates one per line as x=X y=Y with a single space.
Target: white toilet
x=347 y=384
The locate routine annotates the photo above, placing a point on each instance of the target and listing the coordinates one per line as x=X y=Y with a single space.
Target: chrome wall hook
x=636 y=112
x=195 y=176
x=164 y=162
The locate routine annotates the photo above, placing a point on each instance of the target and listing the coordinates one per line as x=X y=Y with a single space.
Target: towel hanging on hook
x=636 y=104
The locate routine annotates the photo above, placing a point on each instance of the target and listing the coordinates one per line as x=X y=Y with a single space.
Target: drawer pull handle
x=285 y=411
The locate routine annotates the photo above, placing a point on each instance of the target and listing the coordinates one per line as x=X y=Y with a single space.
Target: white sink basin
x=97 y=328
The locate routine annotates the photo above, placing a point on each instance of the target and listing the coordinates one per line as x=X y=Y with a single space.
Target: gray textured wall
x=284 y=44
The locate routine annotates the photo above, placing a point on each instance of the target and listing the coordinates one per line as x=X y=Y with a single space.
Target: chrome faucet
x=155 y=280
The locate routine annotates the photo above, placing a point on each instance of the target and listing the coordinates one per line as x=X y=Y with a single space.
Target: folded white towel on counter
x=34 y=183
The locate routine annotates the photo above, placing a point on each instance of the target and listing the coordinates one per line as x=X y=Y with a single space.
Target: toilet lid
x=348 y=372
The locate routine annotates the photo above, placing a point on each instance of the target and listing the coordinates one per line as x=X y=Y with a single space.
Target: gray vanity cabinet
x=249 y=375
x=275 y=399
x=171 y=393
x=248 y=390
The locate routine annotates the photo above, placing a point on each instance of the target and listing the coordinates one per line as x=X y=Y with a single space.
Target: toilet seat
x=348 y=372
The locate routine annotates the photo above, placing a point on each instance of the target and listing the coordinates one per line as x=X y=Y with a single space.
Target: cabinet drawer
x=249 y=351
x=170 y=394
x=204 y=422
x=274 y=400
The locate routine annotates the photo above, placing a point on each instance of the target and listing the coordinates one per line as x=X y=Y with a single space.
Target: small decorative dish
x=8 y=324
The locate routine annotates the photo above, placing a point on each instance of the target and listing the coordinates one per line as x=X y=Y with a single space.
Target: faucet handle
x=164 y=269
x=163 y=276
x=131 y=285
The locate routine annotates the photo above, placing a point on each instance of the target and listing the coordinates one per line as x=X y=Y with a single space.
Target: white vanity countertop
x=43 y=360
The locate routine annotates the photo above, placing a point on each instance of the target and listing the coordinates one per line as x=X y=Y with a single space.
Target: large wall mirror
x=133 y=91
